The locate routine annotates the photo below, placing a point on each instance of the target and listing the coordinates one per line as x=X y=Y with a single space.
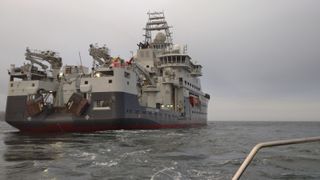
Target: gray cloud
x=254 y=53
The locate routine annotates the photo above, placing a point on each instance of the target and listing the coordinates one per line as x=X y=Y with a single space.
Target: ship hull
x=124 y=113
x=125 y=124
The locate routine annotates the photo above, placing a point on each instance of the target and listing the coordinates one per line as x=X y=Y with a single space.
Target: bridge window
x=174 y=59
x=183 y=59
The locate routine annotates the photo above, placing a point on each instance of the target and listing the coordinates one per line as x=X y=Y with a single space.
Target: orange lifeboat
x=194 y=101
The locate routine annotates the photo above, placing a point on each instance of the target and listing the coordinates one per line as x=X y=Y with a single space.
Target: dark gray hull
x=125 y=113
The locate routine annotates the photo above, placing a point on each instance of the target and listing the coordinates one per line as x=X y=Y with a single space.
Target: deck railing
x=259 y=146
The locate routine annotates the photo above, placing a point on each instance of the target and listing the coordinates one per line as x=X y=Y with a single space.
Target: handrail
x=259 y=146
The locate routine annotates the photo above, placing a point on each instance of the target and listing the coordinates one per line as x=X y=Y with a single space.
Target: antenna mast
x=81 y=63
x=157 y=22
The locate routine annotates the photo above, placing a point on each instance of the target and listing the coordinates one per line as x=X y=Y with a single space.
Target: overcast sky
x=261 y=58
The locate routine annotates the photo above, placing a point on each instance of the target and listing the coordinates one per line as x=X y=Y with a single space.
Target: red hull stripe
x=73 y=128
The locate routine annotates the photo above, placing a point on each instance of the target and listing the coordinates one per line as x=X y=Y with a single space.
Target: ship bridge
x=180 y=61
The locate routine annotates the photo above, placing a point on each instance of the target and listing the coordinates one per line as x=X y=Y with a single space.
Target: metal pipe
x=259 y=146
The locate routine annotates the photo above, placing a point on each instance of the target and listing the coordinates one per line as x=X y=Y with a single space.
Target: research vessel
x=159 y=87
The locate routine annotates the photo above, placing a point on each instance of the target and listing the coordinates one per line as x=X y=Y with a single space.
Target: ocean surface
x=211 y=152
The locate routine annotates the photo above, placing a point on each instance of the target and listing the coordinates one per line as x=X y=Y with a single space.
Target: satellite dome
x=160 y=38
x=176 y=47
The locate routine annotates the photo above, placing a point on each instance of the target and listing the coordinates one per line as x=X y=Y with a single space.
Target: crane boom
x=36 y=56
x=34 y=61
x=100 y=54
x=141 y=70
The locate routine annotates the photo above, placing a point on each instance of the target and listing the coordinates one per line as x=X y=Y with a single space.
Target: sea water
x=211 y=152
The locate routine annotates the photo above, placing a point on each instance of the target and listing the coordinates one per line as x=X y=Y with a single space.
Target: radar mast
x=157 y=22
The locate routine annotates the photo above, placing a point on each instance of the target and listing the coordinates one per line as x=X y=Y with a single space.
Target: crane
x=100 y=54
x=139 y=69
x=36 y=56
